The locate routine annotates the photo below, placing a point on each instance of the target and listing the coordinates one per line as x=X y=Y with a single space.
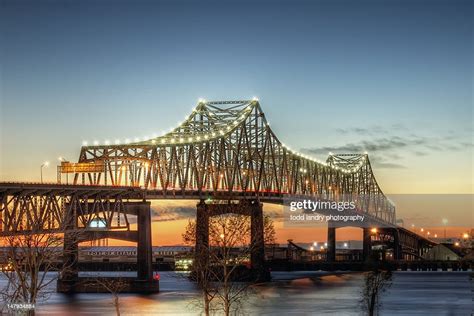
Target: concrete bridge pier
x=201 y=254
x=257 y=257
x=331 y=249
x=397 y=249
x=70 y=270
x=366 y=243
x=144 y=246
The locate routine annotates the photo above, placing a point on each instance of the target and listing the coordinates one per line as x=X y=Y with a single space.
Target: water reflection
x=300 y=293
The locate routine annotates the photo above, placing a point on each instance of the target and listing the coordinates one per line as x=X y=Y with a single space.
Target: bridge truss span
x=229 y=147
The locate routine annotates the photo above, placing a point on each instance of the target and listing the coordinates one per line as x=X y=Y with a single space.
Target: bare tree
x=189 y=236
x=227 y=233
x=31 y=256
x=114 y=286
x=376 y=281
x=230 y=249
x=202 y=275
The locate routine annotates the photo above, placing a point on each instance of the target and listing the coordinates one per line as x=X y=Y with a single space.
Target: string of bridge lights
x=166 y=139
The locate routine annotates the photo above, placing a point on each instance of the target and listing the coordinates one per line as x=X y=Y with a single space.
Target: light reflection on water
x=299 y=293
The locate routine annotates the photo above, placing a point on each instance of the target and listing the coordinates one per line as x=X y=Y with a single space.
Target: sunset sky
x=391 y=78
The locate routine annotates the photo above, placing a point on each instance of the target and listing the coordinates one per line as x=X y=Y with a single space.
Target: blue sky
x=390 y=77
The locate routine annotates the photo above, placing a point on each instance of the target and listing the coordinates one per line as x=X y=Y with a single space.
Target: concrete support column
x=70 y=257
x=202 y=234
x=397 y=251
x=366 y=243
x=70 y=245
x=144 y=247
x=257 y=256
x=331 y=250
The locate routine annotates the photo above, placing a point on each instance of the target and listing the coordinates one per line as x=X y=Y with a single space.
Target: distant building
x=345 y=251
x=129 y=253
x=444 y=252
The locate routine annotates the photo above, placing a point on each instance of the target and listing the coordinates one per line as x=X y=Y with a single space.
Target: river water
x=290 y=293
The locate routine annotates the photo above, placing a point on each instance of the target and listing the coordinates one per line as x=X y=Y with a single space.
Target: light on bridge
x=374 y=230
x=96 y=143
x=465 y=236
x=84 y=143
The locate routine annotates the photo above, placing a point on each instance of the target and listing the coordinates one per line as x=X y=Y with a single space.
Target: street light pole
x=45 y=164
x=445 y=221
x=62 y=159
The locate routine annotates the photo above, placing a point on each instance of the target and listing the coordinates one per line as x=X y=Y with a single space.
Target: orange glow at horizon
x=170 y=233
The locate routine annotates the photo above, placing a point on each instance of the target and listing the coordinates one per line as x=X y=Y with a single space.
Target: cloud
x=372 y=130
x=420 y=153
x=166 y=210
x=171 y=213
x=386 y=165
x=385 y=151
x=380 y=144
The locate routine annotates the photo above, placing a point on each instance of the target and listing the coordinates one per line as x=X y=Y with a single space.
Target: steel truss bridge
x=223 y=150
x=229 y=147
